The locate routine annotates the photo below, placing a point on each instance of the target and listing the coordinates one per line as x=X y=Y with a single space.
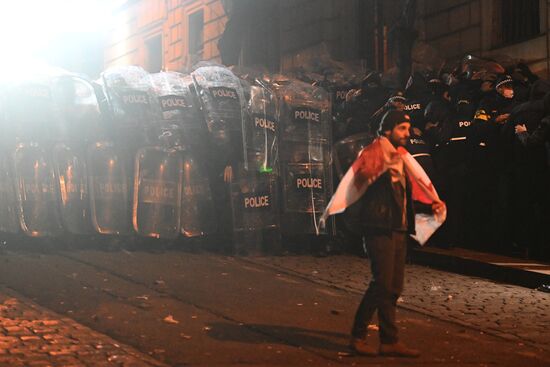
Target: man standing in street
x=382 y=182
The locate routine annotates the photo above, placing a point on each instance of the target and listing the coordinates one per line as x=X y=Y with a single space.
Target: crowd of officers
x=483 y=137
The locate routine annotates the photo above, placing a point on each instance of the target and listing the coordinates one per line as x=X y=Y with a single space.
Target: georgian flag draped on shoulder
x=373 y=161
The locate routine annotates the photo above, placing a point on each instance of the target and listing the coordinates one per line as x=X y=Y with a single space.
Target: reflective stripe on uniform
x=458 y=138
x=421 y=155
x=481 y=115
x=482 y=144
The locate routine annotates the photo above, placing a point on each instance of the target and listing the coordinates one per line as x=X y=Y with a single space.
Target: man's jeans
x=387 y=254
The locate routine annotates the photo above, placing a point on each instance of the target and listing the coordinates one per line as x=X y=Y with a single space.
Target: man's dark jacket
x=374 y=213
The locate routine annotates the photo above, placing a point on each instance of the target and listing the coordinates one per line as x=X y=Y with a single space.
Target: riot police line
x=481 y=130
x=246 y=156
x=145 y=154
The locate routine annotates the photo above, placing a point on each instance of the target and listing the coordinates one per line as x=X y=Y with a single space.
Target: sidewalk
x=525 y=273
x=32 y=336
x=477 y=303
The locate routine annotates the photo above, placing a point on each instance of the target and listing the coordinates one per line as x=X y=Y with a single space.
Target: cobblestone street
x=134 y=308
x=33 y=336
x=490 y=307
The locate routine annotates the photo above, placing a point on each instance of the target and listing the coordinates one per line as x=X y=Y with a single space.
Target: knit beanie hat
x=391 y=119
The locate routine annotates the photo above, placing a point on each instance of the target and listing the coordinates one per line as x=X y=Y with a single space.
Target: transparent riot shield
x=255 y=199
x=346 y=151
x=306 y=165
x=30 y=114
x=133 y=111
x=197 y=207
x=30 y=111
x=183 y=120
x=255 y=203
x=8 y=200
x=261 y=134
x=306 y=192
x=78 y=122
x=221 y=97
x=78 y=115
x=222 y=101
x=9 y=219
x=339 y=79
x=157 y=190
x=180 y=106
x=37 y=191
x=108 y=185
x=74 y=201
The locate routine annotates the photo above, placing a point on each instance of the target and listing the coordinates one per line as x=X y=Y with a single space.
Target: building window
x=520 y=20
x=154 y=54
x=196 y=32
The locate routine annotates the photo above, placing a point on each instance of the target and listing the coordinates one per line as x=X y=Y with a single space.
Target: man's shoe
x=398 y=350
x=361 y=347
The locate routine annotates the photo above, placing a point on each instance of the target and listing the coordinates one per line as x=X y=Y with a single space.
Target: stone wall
x=453 y=27
x=458 y=27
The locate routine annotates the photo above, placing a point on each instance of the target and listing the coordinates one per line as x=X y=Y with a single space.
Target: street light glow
x=28 y=28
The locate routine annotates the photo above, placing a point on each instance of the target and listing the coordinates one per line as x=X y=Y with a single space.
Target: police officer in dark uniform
x=436 y=113
x=487 y=185
x=421 y=150
x=396 y=101
x=523 y=80
x=362 y=104
x=528 y=174
x=456 y=149
x=418 y=96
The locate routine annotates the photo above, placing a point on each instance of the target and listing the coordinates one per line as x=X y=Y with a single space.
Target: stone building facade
x=280 y=34
x=502 y=29
x=165 y=34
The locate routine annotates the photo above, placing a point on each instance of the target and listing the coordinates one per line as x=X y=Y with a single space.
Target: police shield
x=346 y=150
x=9 y=221
x=70 y=169
x=340 y=80
x=255 y=203
x=157 y=190
x=261 y=136
x=8 y=201
x=77 y=110
x=180 y=109
x=30 y=113
x=37 y=191
x=307 y=188
x=78 y=122
x=179 y=105
x=111 y=162
x=305 y=154
x=222 y=101
x=132 y=108
x=108 y=185
x=197 y=206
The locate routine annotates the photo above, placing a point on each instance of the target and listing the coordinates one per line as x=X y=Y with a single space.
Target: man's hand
x=228 y=174
x=521 y=129
x=438 y=207
x=500 y=119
